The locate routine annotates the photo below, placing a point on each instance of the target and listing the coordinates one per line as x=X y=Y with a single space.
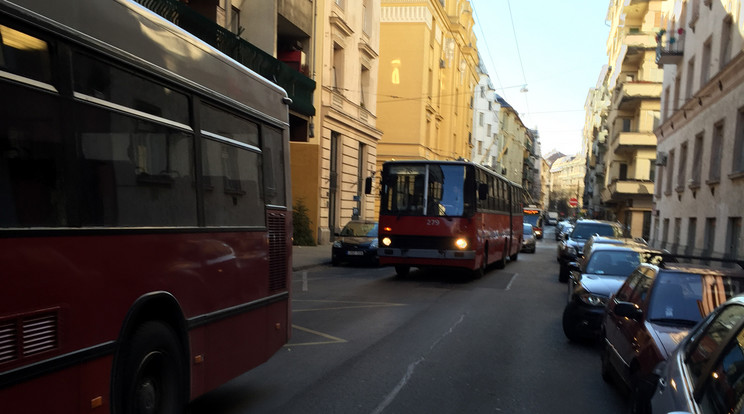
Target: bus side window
x=273 y=166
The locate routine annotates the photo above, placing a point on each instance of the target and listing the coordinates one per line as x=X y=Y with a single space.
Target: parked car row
x=671 y=331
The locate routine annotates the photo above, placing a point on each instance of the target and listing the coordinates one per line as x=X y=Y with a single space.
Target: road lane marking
x=331 y=339
x=508 y=286
x=411 y=368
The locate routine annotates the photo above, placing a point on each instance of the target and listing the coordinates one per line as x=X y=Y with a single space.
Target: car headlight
x=593 y=300
x=337 y=244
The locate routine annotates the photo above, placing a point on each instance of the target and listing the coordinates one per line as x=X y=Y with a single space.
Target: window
x=701 y=348
x=623 y=175
x=710 y=236
x=670 y=176
x=272 y=147
x=733 y=237
x=25 y=55
x=705 y=65
x=235 y=20
x=677 y=92
x=659 y=181
x=714 y=174
x=697 y=161
x=726 y=39
x=664 y=233
x=364 y=87
x=738 y=166
x=691 y=232
x=480 y=118
x=677 y=234
x=682 y=167
x=690 y=78
x=338 y=66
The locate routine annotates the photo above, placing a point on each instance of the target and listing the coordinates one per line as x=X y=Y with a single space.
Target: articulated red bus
x=447 y=213
x=145 y=234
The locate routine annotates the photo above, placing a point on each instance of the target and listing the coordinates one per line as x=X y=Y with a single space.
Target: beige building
x=348 y=45
x=595 y=146
x=567 y=182
x=516 y=143
x=700 y=179
x=428 y=72
x=634 y=81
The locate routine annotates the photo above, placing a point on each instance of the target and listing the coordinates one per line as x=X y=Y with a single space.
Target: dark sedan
x=357 y=243
x=593 y=280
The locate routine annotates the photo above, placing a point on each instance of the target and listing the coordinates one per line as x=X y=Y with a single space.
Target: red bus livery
x=447 y=213
x=145 y=234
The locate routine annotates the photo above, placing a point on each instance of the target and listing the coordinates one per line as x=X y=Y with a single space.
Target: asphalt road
x=365 y=341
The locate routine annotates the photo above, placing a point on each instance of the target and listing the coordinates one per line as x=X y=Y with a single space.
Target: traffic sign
x=573 y=202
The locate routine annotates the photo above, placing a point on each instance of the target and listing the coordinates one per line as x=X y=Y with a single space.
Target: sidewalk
x=305 y=257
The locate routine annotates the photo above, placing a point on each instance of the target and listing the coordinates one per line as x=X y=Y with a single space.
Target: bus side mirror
x=483 y=191
x=368 y=185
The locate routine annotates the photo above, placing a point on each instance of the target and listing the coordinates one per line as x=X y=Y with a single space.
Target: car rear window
x=587 y=230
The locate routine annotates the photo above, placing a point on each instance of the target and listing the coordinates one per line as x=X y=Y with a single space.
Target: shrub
x=301 y=232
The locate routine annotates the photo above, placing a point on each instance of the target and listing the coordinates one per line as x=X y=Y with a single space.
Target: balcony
x=631 y=141
x=640 y=40
x=631 y=187
x=299 y=87
x=669 y=49
x=628 y=92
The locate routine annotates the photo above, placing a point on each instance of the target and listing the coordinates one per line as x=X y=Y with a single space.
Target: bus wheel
x=479 y=272
x=402 y=270
x=150 y=376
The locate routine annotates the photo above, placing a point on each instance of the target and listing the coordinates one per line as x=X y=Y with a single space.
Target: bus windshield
x=531 y=219
x=425 y=190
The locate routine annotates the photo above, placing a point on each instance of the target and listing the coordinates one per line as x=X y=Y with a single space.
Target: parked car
x=571 y=248
x=705 y=374
x=594 y=278
x=562 y=228
x=529 y=240
x=357 y=243
x=652 y=312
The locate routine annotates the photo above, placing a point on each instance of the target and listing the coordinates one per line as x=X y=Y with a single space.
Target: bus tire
x=480 y=271
x=150 y=374
x=402 y=270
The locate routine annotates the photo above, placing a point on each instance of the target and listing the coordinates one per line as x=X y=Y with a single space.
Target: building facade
x=700 y=162
x=567 y=185
x=346 y=128
x=486 y=145
x=514 y=138
x=428 y=72
x=634 y=81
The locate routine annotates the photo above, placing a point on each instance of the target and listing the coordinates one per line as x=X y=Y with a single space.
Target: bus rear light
x=386 y=241
x=387 y=229
x=461 y=243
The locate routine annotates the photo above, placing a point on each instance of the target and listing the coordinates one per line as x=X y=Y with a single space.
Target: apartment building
x=594 y=146
x=700 y=163
x=635 y=83
x=348 y=45
x=428 y=72
x=486 y=146
x=515 y=138
x=567 y=183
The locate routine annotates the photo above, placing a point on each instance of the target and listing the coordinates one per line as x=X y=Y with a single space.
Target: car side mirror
x=628 y=310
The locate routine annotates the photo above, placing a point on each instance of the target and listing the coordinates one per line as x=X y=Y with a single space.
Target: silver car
x=705 y=374
x=529 y=239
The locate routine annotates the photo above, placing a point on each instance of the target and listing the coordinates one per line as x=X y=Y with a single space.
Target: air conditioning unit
x=661 y=159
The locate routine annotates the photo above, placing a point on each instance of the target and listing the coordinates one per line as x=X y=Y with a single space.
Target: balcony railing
x=299 y=87
x=669 y=47
x=631 y=186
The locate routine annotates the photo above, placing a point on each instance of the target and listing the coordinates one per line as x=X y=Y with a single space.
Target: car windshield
x=688 y=297
x=586 y=230
x=425 y=190
x=527 y=229
x=359 y=229
x=615 y=263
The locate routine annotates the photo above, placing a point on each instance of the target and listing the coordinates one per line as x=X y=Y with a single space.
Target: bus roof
x=137 y=35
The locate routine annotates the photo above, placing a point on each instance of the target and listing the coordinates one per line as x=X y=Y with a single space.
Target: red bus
x=447 y=213
x=534 y=216
x=145 y=229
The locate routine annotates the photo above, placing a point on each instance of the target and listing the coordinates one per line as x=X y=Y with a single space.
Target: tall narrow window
x=714 y=174
x=364 y=87
x=733 y=237
x=681 y=178
x=690 y=78
x=677 y=234
x=677 y=92
x=664 y=233
x=670 y=176
x=691 y=232
x=726 y=34
x=697 y=160
x=710 y=236
x=705 y=64
x=338 y=67
x=738 y=166
x=235 y=20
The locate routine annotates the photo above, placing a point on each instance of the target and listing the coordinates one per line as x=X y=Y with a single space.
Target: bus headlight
x=386 y=241
x=461 y=243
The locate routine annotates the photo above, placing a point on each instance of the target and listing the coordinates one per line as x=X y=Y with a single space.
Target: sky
x=553 y=49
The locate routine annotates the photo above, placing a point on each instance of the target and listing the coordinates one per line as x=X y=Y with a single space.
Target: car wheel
x=402 y=270
x=563 y=273
x=569 y=326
